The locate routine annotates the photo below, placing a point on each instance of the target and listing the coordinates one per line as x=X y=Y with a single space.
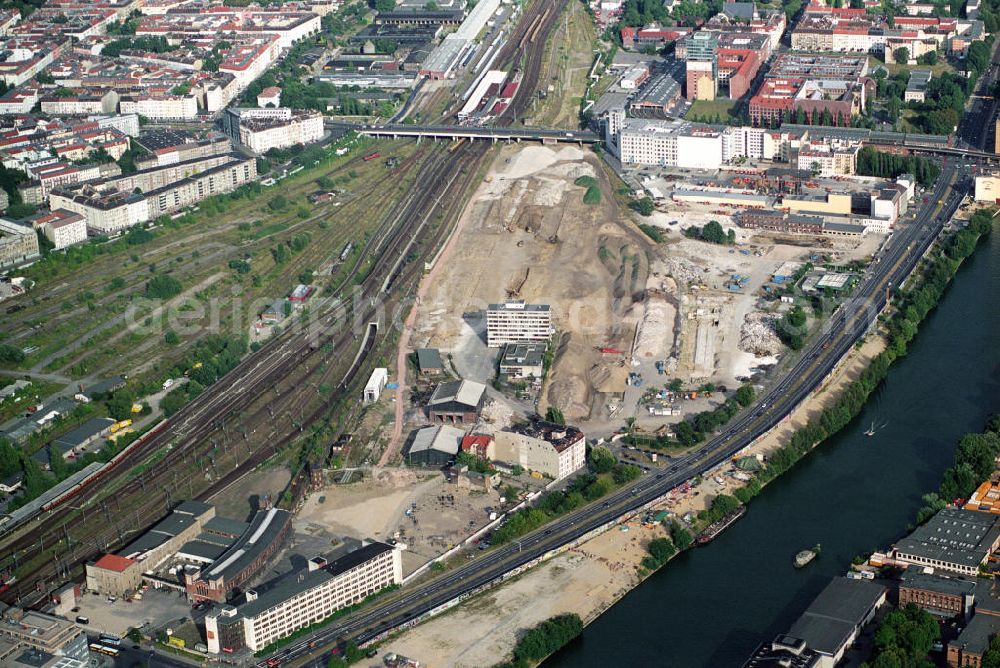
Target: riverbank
x=852 y=495
x=472 y=635
x=590 y=579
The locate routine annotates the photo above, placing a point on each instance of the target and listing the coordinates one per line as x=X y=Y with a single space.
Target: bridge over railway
x=921 y=144
x=493 y=134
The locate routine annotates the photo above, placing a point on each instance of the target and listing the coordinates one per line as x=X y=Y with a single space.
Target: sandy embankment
x=589 y=579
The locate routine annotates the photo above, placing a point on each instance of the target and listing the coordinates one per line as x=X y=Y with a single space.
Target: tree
x=555 y=416
x=11 y=354
x=682 y=537
x=625 y=473
x=602 y=460
x=644 y=206
x=171 y=338
x=163 y=287
x=901 y=55
x=745 y=395
x=385 y=5
x=547 y=637
x=120 y=404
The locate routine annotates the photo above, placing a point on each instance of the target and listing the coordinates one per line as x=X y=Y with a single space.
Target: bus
x=104 y=649
x=110 y=640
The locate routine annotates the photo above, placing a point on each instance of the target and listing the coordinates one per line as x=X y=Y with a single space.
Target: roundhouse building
x=243 y=559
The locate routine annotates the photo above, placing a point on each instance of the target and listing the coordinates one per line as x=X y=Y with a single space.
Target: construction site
x=652 y=326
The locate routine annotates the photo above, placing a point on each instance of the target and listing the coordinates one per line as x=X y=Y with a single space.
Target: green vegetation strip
x=912 y=307
x=544 y=639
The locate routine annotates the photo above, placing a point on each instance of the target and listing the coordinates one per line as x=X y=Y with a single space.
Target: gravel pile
x=759 y=336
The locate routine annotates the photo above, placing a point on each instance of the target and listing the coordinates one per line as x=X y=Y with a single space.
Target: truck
x=168 y=383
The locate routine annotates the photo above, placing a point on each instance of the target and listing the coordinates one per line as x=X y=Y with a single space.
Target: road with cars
x=825 y=350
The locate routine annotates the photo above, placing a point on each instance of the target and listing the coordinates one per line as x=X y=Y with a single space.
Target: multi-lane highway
x=846 y=325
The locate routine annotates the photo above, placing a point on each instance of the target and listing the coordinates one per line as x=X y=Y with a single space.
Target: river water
x=713 y=605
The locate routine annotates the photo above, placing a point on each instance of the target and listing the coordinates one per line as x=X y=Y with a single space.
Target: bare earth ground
x=591 y=578
x=530 y=236
x=240 y=500
x=441 y=514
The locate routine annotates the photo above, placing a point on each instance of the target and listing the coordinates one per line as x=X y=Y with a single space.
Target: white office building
x=517 y=322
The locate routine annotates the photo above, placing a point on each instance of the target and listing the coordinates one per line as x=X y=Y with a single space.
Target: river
x=713 y=605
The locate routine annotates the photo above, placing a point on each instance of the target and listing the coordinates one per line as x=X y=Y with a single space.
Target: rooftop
x=466 y=392
x=975 y=638
x=429 y=358
x=560 y=436
x=441 y=438
x=296 y=583
x=954 y=536
x=113 y=562
x=832 y=617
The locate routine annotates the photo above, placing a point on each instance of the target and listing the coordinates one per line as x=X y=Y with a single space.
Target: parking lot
x=156 y=609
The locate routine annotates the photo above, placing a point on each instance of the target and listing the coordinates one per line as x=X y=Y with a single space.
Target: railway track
x=251 y=395
x=199 y=430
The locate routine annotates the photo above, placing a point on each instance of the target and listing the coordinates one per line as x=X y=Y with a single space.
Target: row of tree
x=711 y=232
x=872 y=162
x=544 y=639
x=913 y=307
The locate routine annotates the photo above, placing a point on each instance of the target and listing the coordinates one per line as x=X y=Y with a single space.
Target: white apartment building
x=105 y=215
x=311 y=597
x=670 y=144
x=517 y=322
x=830 y=159
x=80 y=105
x=109 y=210
x=262 y=134
x=161 y=107
x=549 y=449
x=62 y=227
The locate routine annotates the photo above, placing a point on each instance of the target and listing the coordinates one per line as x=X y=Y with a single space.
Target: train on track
x=91 y=475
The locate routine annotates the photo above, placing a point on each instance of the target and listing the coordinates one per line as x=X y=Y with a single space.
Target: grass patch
x=586 y=182
x=592 y=196
x=709 y=109
x=268 y=230
x=652 y=232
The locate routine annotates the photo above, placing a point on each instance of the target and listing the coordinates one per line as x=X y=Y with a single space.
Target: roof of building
x=953 y=536
x=264 y=529
x=975 y=637
x=104 y=386
x=144 y=543
x=559 y=436
x=429 y=358
x=226 y=526
x=465 y=392
x=114 y=562
x=296 y=583
x=84 y=433
x=783 y=652
x=915 y=579
x=832 y=617
x=524 y=354
x=518 y=305
x=441 y=438
x=202 y=550
x=192 y=507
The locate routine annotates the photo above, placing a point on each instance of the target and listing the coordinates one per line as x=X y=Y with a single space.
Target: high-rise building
x=517 y=322
x=702 y=66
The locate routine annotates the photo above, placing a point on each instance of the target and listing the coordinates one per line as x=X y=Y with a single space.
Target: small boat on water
x=715 y=528
x=871 y=430
x=803 y=558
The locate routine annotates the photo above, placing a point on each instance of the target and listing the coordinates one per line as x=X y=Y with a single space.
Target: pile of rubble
x=759 y=335
x=496 y=416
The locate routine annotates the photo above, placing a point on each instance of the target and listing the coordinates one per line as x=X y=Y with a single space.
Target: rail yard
x=429 y=342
